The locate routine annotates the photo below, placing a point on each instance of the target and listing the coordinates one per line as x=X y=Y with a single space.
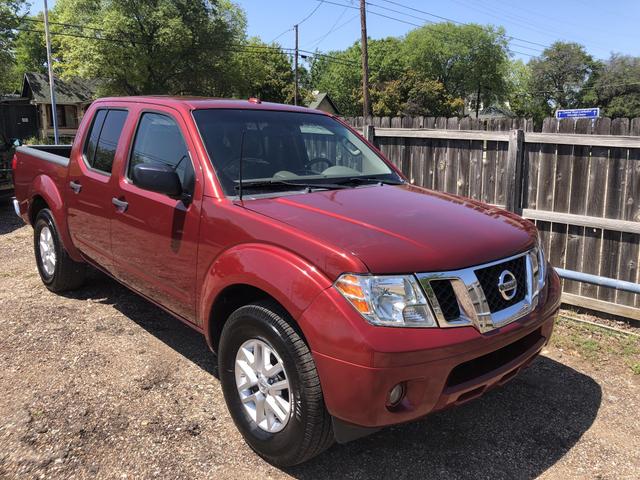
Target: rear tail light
x=14 y=162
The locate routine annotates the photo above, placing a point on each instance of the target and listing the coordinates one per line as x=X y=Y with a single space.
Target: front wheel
x=57 y=270
x=271 y=385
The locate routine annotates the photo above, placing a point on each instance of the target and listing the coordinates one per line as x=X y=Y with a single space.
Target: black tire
x=67 y=274
x=308 y=431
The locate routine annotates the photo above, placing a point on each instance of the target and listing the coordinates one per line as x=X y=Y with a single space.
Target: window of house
x=102 y=141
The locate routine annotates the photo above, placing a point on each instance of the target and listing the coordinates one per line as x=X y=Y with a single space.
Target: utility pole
x=52 y=88
x=295 y=94
x=366 y=110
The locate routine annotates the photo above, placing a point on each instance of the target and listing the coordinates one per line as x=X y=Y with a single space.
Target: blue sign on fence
x=578 y=113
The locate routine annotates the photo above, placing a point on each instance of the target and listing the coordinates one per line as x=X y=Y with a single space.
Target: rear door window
x=102 y=142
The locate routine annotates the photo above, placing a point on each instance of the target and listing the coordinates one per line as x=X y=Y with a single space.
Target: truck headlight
x=539 y=264
x=387 y=300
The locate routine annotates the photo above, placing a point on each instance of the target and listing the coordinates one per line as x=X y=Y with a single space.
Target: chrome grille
x=488 y=278
x=447 y=299
x=471 y=296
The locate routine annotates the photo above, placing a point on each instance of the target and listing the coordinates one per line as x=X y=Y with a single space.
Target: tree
x=470 y=61
x=30 y=48
x=340 y=74
x=264 y=71
x=523 y=102
x=560 y=73
x=9 y=20
x=616 y=87
x=152 y=46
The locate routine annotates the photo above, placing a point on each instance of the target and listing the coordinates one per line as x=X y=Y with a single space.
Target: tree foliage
x=152 y=46
x=470 y=61
x=560 y=73
x=265 y=72
x=616 y=87
x=30 y=48
x=432 y=71
x=9 y=20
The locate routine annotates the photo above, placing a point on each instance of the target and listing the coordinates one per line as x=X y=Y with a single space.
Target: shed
x=322 y=101
x=495 y=111
x=73 y=97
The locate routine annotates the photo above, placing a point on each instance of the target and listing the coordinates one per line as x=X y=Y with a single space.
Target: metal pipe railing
x=598 y=280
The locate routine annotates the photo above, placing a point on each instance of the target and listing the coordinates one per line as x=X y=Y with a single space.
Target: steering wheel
x=313 y=161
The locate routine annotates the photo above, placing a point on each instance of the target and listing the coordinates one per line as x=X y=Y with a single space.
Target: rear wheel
x=57 y=270
x=271 y=385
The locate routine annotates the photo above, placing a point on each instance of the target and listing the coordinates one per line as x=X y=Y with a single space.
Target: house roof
x=495 y=111
x=77 y=90
x=318 y=99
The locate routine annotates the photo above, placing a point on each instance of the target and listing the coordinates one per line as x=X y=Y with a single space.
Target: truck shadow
x=514 y=432
x=9 y=221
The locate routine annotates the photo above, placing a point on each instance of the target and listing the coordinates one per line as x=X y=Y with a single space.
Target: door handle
x=75 y=186
x=121 y=204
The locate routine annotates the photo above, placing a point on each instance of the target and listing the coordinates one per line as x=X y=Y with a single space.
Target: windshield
x=287 y=149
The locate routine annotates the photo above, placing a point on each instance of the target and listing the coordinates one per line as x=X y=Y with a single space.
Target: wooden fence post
x=516 y=172
x=369 y=132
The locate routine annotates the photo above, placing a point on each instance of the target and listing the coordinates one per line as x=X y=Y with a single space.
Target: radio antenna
x=240 y=165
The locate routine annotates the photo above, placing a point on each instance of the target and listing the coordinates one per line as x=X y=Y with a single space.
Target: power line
x=39 y=20
x=406 y=22
x=592 y=87
x=318 y=40
x=458 y=22
x=286 y=31
x=311 y=14
x=241 y=48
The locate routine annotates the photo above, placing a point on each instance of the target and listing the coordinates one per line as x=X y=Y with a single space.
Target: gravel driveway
x=101 y=384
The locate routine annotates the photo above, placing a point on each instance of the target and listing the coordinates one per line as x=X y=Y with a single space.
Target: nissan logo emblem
x=508 y=285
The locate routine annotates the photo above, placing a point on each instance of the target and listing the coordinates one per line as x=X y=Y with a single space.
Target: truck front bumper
x=360 y=364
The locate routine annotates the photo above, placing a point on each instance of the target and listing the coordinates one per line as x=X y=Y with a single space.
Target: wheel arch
x=45 y=194
x=249 y=273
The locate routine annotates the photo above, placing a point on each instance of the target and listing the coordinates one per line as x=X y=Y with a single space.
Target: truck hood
x=402 y=229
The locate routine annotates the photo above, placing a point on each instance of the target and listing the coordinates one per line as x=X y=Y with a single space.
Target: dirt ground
x=101 y=384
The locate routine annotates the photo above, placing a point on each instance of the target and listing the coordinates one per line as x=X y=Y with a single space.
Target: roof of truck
x=195 y=103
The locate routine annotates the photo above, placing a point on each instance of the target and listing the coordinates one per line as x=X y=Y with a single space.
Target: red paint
x=293 y=248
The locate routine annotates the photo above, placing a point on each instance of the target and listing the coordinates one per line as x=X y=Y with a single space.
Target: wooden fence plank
x=439 y=158
x=476 y=150
x=630 y=244
x=613 y=208
x=464 y=160
x=502 y=183
x=451 y=170
x=577 y=204
x=532 y=137
x=489 y=168
x=595 y=207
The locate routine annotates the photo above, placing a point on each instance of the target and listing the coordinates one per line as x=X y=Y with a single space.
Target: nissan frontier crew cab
x=338 y=297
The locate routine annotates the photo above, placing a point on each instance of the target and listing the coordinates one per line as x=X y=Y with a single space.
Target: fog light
x=396 y=394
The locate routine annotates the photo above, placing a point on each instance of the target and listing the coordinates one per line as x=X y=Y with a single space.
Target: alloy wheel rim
x=263 y=385
x=47 y=251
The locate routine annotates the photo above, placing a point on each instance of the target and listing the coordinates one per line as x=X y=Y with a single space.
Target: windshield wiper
x=266 y=184
x=381 y=181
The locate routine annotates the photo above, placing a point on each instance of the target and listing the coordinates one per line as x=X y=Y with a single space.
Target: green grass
x=597 y=345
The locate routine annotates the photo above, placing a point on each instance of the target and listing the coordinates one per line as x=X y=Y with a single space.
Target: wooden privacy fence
x=579 y=180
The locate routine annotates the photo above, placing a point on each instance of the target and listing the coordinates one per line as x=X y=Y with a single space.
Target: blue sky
x=602 y=26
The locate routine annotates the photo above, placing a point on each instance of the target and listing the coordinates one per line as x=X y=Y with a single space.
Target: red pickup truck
x=338 y=297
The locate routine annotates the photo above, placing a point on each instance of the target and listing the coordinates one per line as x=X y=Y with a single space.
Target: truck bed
x=58 y=154
x=41 y=163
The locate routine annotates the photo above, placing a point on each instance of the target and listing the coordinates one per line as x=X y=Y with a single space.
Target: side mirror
x=16 y=142
x=157 y=178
